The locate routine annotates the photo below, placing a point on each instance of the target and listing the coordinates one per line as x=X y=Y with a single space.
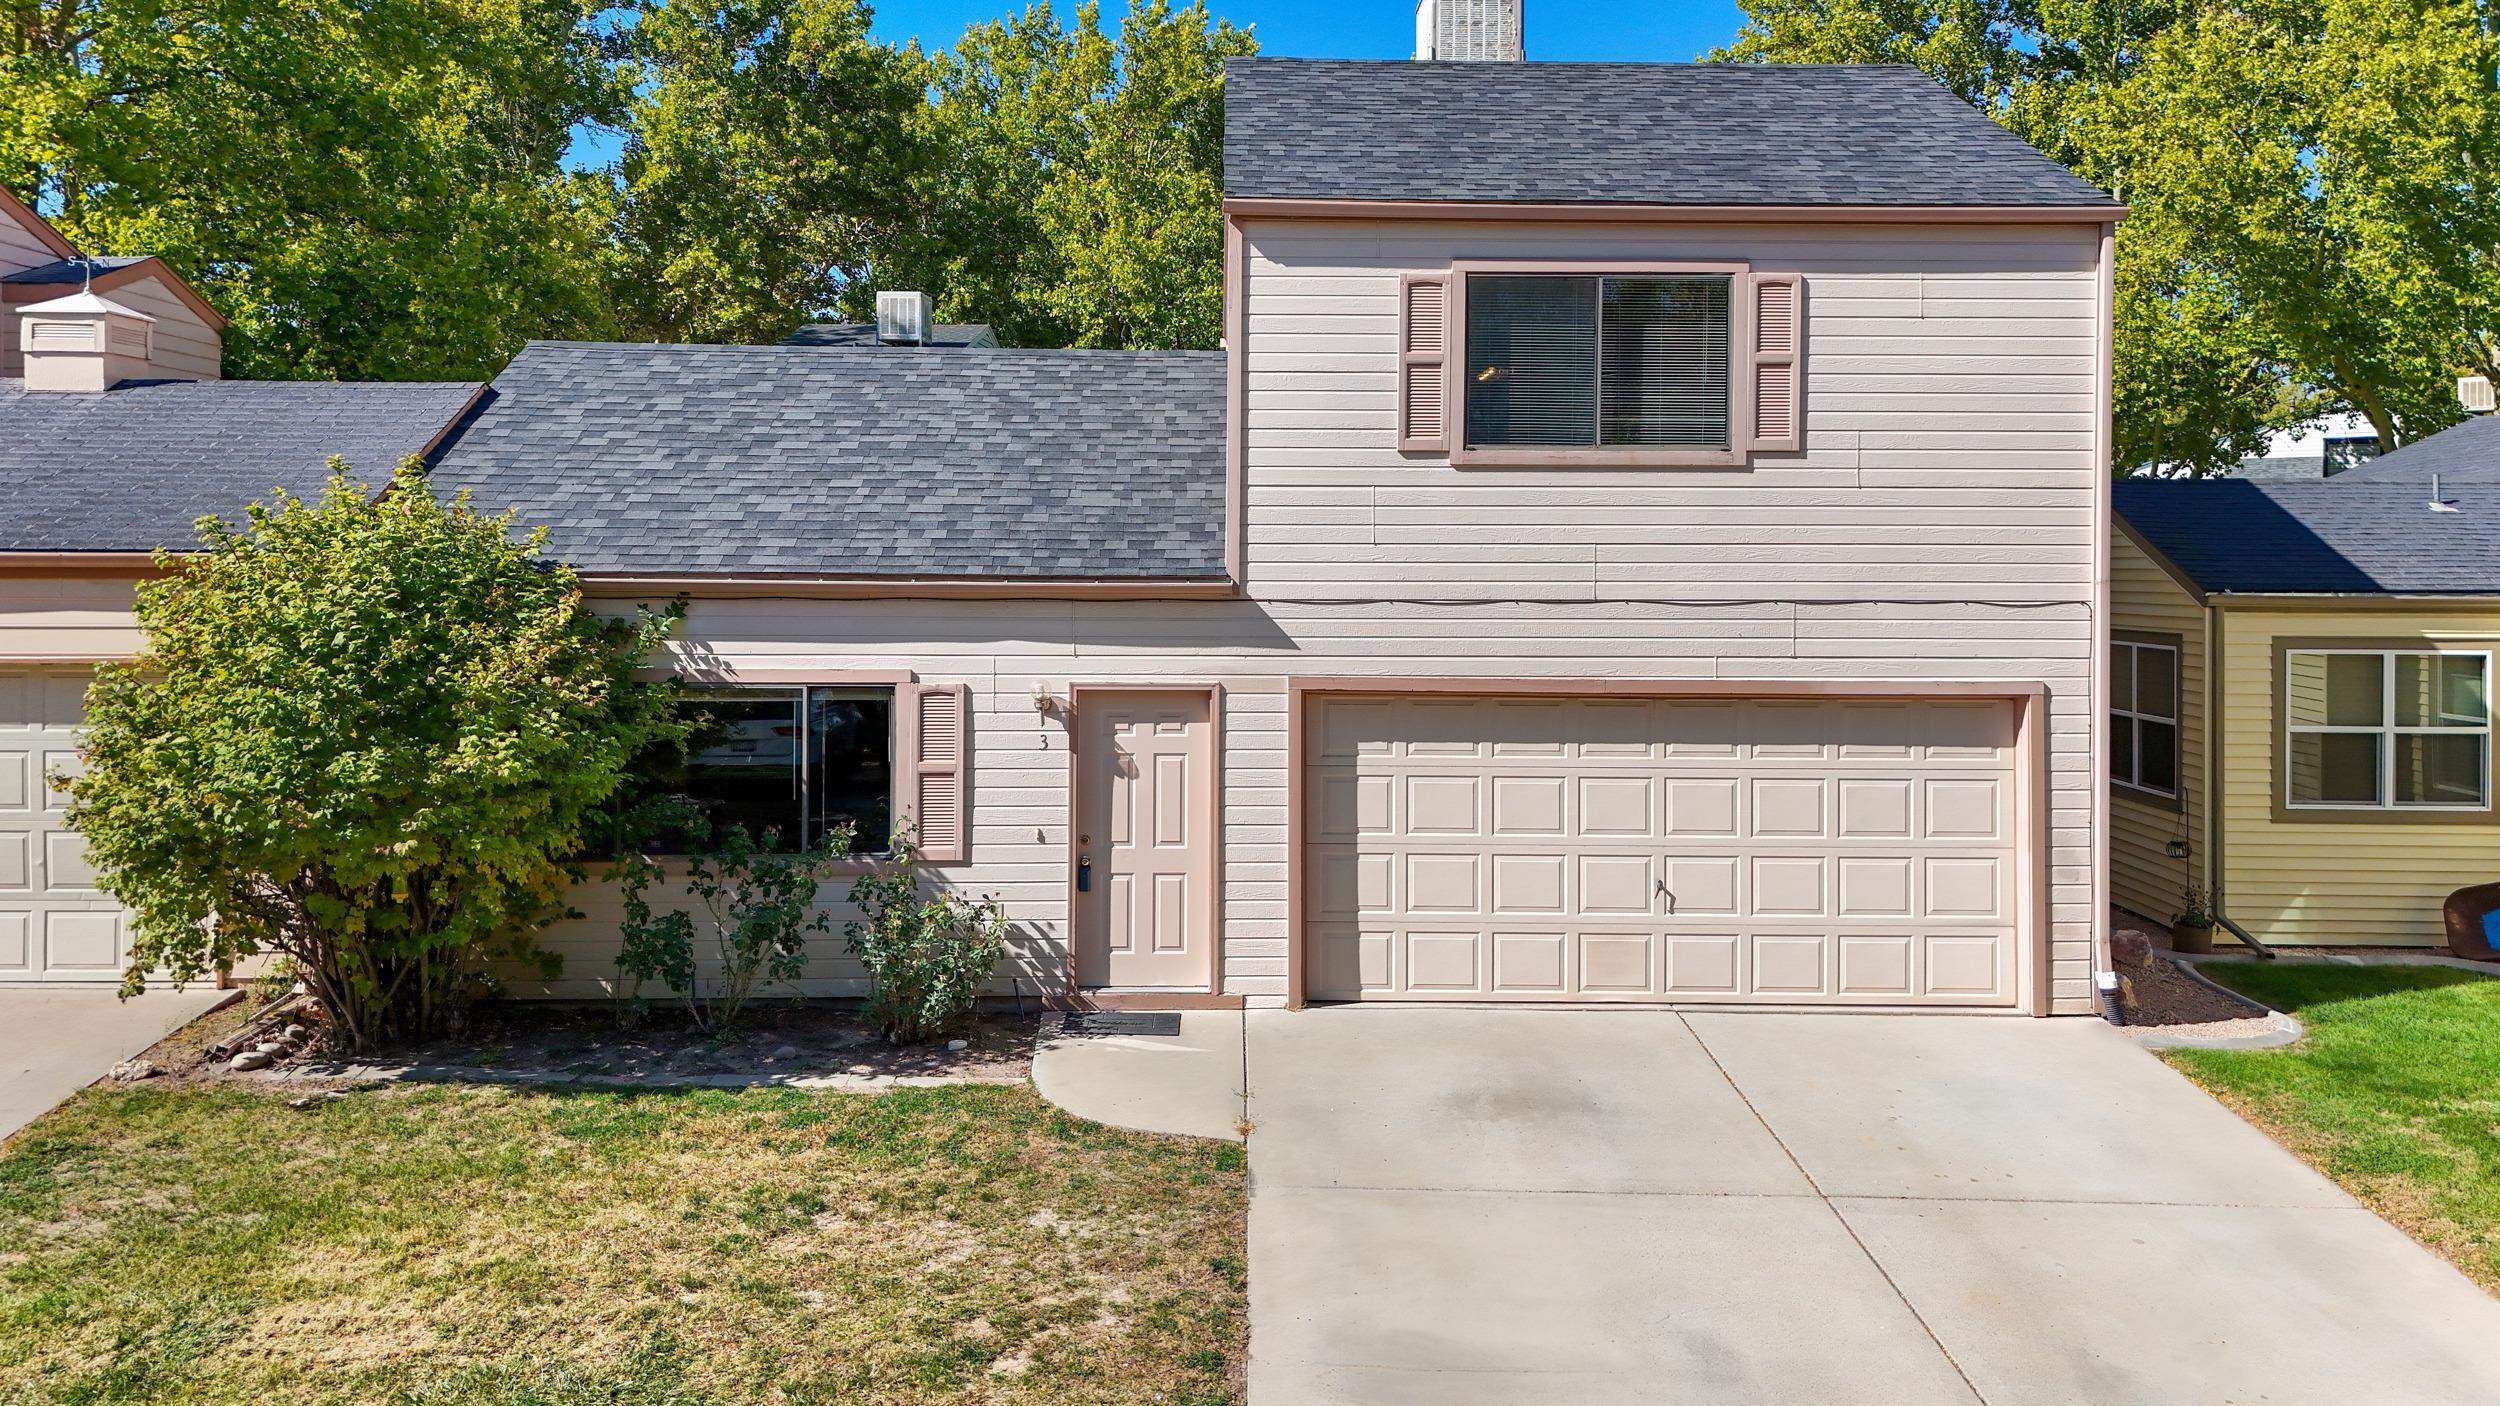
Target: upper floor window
x=1598 y=361
x=1533 y=365
x=2387 y=729
x=2144 y=716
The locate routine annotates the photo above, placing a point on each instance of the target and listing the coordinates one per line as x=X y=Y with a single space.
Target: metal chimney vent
x=904 y=318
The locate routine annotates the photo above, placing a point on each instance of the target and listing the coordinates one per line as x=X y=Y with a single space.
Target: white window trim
x=2136 y=720
x=1740 y=382
x=2387 y=731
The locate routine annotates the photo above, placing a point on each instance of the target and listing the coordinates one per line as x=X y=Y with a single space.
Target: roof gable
x=1620 y=133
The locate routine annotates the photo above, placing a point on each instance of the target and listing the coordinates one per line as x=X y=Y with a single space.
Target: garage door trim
x=2028 y=699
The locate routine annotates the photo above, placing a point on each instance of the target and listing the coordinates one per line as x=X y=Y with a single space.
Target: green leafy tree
x=371 y=190
x=1078 y=198
x=771 y=144
x=369 y=733
x=2314 y=217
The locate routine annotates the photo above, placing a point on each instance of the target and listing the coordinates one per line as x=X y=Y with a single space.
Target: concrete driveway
x=1476 y=1206
x=57 y=1040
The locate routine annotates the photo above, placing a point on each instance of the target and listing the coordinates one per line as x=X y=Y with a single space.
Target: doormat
x=1092 y=1024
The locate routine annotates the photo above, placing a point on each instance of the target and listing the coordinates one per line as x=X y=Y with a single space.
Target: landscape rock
x=294 y=1034
x=2129 y=948
x=131 y=1071
x=785 y=1052
x=250 y=1060
x=958 y=1044
x=271 y=1047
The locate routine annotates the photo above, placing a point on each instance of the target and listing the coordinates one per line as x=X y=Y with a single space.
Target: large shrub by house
x=368 y=733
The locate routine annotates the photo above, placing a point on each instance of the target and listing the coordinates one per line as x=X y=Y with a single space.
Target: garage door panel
x=56 y=923
x=1807 y=851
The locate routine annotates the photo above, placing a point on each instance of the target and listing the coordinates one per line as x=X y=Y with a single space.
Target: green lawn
x=440 y=1246
x=2395 y=1093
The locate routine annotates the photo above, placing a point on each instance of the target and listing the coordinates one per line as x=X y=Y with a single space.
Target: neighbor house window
x=1598 y=362
x=2144 y=717
x=2349 y=452
x=2387 y=729
x=791 y=762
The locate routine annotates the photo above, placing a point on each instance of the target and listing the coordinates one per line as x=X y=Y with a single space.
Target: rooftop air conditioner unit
x=2474 y=393
x=903 y=318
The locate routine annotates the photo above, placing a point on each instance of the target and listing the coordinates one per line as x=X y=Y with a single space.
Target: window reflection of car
x=753 y=744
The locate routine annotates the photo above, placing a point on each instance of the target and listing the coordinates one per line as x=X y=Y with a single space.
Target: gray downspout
x=2241 y=933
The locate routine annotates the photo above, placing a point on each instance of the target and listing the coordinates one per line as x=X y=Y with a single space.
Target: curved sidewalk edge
x=1191 y=1083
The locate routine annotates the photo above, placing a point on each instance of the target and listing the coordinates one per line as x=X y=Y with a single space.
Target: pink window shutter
x=1778 y=363
x=1423 y=363
x=938 y=792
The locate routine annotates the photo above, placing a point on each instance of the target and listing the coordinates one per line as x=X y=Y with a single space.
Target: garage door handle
x=1669 y=895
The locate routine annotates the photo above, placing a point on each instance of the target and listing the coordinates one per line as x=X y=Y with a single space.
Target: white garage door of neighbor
x=55 y=924
x=1767 y=851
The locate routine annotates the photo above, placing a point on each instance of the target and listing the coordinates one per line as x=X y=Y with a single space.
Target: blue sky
x=1337 y=29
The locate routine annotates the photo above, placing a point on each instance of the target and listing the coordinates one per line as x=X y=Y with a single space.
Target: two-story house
x=1642 y=540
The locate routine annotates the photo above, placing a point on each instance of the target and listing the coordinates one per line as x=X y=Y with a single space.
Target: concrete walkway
x=1190 y=1083
x=1487 y=1206
x=57 y=1040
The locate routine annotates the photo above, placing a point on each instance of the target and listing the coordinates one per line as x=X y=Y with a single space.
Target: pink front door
x=1145 y=902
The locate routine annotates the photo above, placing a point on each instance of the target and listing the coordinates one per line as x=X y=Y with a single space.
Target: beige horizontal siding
x=180 y=344
x=1938 y=524
x=2143 y=876
x=2371 y=883
x=1938 y=527
x=19 y=249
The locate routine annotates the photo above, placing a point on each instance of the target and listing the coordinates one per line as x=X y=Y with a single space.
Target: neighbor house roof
x=807 y=461
x=864 y=334
x=2462 y=453
x=1623 y=133
x=74 y=270
x=131 y=469
x=2336 y=537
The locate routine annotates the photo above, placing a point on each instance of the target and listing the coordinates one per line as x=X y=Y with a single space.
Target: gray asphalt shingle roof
x=1623 y=133
x=133 y=468
x=864 y=334
x=2336 y=536
x=77 y=270
x=2462 y=453
x=833 y=461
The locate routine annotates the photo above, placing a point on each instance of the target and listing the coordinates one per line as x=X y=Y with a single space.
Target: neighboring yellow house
x=2343 y=633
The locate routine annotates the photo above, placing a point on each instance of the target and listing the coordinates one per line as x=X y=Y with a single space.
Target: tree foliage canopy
x=367 y=190
x=378 y=189
x=368 y=733
x=2314 y=188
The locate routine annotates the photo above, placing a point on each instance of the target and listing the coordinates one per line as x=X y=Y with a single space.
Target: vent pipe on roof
x=903 y=319
x=1470 y=31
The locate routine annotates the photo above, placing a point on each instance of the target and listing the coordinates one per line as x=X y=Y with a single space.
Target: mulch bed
x=2159 y=995
x=518 y=1039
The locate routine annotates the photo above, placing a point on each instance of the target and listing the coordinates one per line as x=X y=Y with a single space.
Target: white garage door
x=1808 y=851
x=55 y=925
